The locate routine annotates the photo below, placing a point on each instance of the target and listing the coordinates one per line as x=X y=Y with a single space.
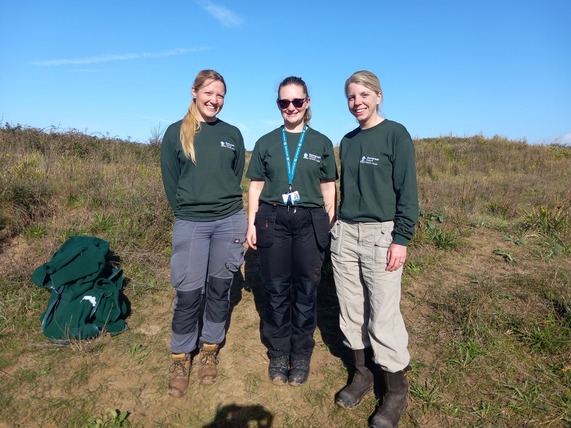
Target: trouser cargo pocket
x=265 y=223
x=321 y=227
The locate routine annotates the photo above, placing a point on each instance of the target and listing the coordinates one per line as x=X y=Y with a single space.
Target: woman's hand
x=396 y=256
x=251 y=237
x=254 y=192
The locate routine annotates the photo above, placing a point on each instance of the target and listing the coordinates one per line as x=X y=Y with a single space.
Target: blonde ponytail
x=189 y=128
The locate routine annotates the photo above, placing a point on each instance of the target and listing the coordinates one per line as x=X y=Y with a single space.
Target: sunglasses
x=297 y=102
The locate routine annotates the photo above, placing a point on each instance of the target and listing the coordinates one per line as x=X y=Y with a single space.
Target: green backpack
x=86 y=291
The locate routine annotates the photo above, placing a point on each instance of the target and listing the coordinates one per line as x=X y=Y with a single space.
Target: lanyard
x=291 y=166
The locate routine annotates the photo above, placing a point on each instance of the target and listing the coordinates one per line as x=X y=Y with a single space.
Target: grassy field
x=486 y=295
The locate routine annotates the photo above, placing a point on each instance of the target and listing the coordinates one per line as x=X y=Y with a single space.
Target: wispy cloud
x=86 y=70
x=225 y=16
x=565 y=139
x=117 y=57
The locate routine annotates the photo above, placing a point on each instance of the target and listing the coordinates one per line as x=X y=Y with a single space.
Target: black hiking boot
x=279 y=369
x=361 y=384
x=394 y=404
x=299 y=371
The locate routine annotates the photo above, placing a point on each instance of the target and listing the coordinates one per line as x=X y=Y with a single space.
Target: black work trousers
x=291 y=262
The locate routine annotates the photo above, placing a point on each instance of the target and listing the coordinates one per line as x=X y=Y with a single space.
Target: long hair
x=293 y=80
x=368 y=80
x=191 y=124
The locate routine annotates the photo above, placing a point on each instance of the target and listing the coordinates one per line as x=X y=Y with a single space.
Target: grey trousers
x=369 y=296
x=205 y=257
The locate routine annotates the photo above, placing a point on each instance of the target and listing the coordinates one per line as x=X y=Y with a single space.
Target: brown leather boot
x=395 y=400
x=179 y=373
x=361 y=384
x=207 y=362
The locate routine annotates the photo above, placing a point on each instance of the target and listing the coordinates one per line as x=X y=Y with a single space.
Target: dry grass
x=486 y=295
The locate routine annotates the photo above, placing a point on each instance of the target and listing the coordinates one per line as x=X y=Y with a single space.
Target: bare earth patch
x=129 y=372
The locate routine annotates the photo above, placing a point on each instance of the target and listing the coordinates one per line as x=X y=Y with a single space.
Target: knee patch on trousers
x=218 y=299
x=185 y=316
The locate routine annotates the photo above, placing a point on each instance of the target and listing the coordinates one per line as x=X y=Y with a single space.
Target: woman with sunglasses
x=377 y=215
x=202 y=161
x=291 y=204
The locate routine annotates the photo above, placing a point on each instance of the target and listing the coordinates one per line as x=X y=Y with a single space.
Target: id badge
x=291 y=197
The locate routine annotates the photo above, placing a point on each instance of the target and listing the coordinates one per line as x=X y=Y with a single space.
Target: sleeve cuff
x=400 y=240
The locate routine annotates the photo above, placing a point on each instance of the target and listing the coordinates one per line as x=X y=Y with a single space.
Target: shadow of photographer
x=236 y=416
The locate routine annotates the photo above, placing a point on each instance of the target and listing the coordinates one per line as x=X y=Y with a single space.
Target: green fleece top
x=378 y=178
x=85 y=289
x=209 y=190
x=316 y=163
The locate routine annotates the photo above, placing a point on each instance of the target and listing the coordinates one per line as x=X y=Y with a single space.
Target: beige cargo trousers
x=369 y=296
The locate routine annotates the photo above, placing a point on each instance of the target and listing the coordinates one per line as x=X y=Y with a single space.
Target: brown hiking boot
x=208 y=360
x=180 y=371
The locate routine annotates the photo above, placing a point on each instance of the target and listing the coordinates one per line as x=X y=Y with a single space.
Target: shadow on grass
x=236 y=416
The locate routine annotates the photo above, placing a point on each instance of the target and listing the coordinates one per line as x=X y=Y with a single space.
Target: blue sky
x=125 y=68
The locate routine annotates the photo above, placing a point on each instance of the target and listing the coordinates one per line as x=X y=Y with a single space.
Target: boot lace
x=179 y=369
x=208 y=357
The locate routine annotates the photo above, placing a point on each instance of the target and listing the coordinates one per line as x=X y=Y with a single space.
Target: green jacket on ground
x=86 y=293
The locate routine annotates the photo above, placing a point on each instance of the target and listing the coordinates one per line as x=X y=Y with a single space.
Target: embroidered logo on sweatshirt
x=227 y=145
x=90 y=299
x=369 y=160
x=312 y=157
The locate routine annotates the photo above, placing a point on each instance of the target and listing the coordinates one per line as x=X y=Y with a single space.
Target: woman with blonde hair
x=376 y=220
x=202 y=161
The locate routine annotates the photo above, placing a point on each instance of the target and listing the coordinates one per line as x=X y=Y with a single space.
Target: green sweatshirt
x=316 y=163
x=378 y=178
x=86 y=291
x=209 y=190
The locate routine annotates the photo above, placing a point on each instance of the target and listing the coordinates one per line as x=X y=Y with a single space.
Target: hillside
x=486 y=295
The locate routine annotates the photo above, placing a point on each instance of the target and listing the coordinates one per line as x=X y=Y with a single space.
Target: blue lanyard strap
x=291 y=166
